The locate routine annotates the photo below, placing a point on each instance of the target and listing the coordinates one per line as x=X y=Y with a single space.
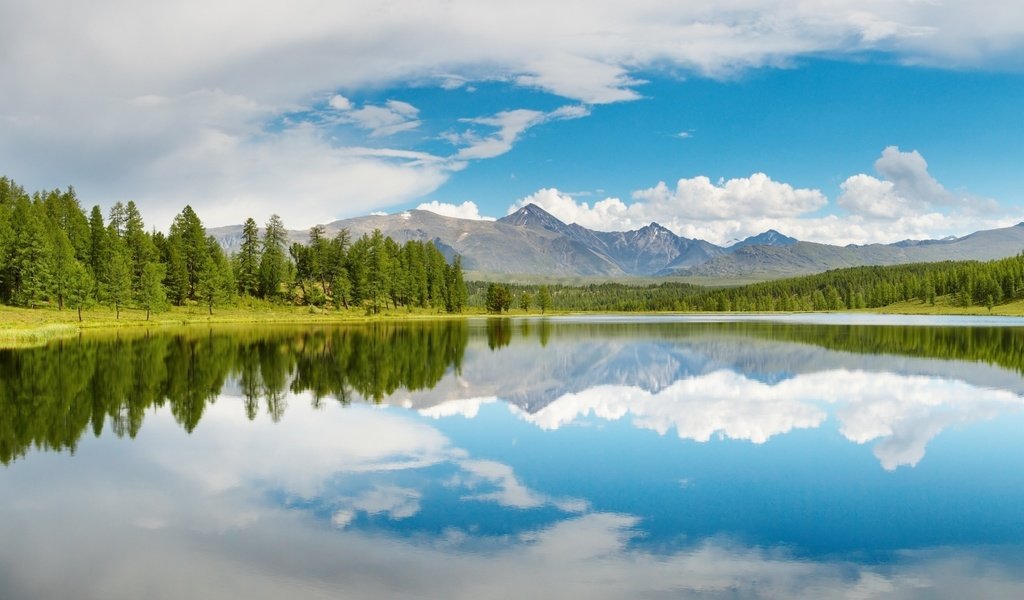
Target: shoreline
x=25 y=327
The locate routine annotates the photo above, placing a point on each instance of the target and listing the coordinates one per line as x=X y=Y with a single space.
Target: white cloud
x=67 y=114
x=466 y=210
x=908 y=204
x=509 y=126
x=694 y=205
x=754 y=196
x=394 y=117
x=339 y=102
x=905 y=190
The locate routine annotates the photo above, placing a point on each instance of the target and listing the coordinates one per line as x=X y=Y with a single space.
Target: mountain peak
x=766 y=238
x=532 y=215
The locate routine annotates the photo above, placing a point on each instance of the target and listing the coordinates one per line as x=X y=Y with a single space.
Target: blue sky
x=838 y=122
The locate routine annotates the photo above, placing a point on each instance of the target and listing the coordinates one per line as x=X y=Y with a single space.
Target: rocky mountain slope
x=531 y=241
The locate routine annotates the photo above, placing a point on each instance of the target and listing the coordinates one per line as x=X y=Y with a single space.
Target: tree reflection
x=50 y=396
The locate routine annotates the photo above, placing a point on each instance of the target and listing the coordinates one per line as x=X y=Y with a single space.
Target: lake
x=816 y=456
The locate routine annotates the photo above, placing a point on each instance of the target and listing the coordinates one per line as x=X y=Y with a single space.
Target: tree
x=247 y=271
x=456 y=286
x=273 y=263
x=499 y=298
x=524 y=301
x=116 y=285
x=62 y=262
x=543 y=299
x=30 y=254
x=188 y=241
x=141 y=251
x=97 y=242
x=80 y=286
x=216 y=281
x=151 y=295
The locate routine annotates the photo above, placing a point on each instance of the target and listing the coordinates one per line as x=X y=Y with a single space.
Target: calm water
x=575 y=458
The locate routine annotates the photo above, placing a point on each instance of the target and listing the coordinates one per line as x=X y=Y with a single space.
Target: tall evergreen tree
x=62 y=264
x=115 y=286
x=98 y=249
x=31 y=254
x=188 y=236
x=247 y=271
x=151 y=295
x=80 y=288
x=273 y=262
x=141 y=250
x=544 y=299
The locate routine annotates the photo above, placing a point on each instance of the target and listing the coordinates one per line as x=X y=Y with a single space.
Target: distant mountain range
x=531 y=241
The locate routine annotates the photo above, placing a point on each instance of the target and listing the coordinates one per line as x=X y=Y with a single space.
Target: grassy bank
x=20 y=327
x=23 y=327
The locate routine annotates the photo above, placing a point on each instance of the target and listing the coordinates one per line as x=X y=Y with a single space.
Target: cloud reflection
x=902 y=413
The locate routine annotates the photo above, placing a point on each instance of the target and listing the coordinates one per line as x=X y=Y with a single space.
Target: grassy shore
x=21 y=327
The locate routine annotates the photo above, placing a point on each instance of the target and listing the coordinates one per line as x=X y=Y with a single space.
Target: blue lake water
x=812 y=457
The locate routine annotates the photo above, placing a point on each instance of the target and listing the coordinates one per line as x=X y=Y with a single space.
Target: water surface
x=579 y=458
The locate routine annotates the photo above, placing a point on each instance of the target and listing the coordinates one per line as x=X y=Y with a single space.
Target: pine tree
x=544 y=299
x=247 y=272
x=80 y=287
x=273 y=263
x=98 y=249
x=141 y=250
x=115 y=287
x=189 y=237
x=151 y=295
x=31 y=254
x=62 y=264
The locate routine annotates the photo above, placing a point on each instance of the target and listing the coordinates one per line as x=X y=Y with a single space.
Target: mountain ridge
x=533 y=242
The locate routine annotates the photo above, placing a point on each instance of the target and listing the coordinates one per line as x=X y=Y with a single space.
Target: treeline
x=613 y=297
x=965 y=283
x=962 y=283
x=53 y=253
x=53 y=395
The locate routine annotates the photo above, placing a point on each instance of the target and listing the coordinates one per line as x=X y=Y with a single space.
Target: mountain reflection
x=895 y=387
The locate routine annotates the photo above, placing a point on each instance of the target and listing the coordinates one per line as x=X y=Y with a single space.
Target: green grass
x=944 y=306
x=21 y=327
x=25 y=327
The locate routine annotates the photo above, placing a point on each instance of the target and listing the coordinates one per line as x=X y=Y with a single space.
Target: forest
x=962 y=283
x=54 y=254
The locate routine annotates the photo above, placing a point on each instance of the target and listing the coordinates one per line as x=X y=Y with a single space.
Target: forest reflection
x=50 y=396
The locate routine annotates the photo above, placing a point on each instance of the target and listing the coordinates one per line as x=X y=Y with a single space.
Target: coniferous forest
x=54 y=253
x=960 y=283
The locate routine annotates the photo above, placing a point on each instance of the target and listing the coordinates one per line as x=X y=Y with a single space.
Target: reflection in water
x=260 y=473
x=744 y=381
x=904 y=412
x=50 y=396
x=199 y=511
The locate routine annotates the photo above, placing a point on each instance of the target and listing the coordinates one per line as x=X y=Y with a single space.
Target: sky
x=836 y=121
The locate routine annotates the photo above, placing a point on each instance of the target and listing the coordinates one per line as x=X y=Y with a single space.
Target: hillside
x=533 y=242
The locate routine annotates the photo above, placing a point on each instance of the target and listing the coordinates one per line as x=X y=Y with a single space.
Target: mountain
x=768 y=238
x=532 y=241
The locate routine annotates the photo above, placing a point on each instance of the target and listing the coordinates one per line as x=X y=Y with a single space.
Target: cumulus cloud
x=339 y=102
x=466 y=210
x=907 y=203
x=693 y=205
